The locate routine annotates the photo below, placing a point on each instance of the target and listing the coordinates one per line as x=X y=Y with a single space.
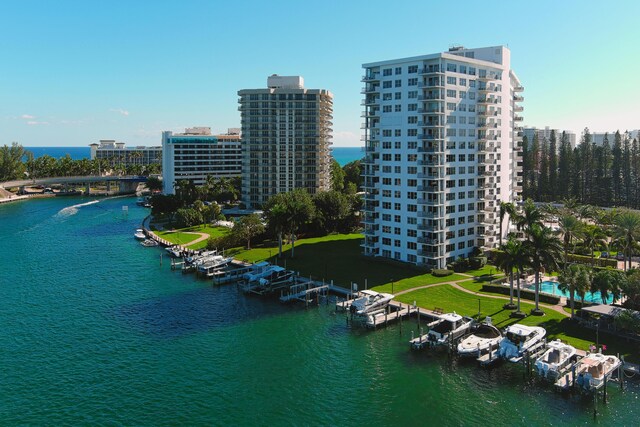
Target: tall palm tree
x=627 y=232
x=593 y=237
x=567 y=283
x=506 y=208
x=545 y=249
x=506 y=261
x=583 y=283
x=531 y=216
x=522 y=260
x=570 y=228
x=608 y=282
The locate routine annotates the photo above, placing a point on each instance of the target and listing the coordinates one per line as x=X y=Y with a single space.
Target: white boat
x=149 y=243
x=262 y=272
x=139 y=234
x=214 y=263
x=594 y=369
x=483 y=338
x=520 y=339
x=174 y=251
x=370 y=301
x=450 y=326
x=276 y=276
x=555 y=359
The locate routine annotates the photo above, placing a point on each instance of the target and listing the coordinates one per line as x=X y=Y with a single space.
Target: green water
x=94 y=331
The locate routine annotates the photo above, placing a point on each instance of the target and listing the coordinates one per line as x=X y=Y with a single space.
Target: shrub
x=477 y=262
x=442 y=273
x=599 y=262
x=524 y=293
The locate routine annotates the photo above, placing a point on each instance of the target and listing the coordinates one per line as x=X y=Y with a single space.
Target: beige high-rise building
x=286 y=136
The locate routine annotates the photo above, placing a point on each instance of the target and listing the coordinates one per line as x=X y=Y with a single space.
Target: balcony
x=435 y=83
x=518 y=88
x=430 y=175
x=518 y=108
x=431 y=149
x=431 y=70
x=431 y=110
x=371 y=78
x=429 y=241
x=428 y=254
x=429 y=202
x=428 y=137
x=370 y=89
x=434 y=162
x=372 y=112
x=518 y=118
x=432 y=124
x=518 y=98
x=430 y=97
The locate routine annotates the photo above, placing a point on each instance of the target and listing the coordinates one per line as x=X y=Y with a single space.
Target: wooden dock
x=392 y=312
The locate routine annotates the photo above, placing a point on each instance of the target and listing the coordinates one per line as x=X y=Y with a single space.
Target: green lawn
x=558 y=326
x=484 y=271
x=179 y=237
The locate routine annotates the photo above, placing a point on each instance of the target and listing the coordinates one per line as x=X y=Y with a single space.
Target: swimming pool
x=550 y=287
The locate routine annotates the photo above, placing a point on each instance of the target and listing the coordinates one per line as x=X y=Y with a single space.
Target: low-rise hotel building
x=116 y=153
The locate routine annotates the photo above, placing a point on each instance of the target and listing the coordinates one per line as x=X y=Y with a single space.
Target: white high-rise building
x=286 y=135
x=443 y=149
x=545 y=133
x=196 y=154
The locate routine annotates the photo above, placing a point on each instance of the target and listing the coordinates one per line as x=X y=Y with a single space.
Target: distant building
x=196 y=154
x=117 y=154
x=598 y=137
x=530 y=132
x=286 y=135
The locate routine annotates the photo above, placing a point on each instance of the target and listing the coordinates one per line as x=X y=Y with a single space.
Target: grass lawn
x=486 y=270
x=180 y=237
x=558 y=326
x=338 y=257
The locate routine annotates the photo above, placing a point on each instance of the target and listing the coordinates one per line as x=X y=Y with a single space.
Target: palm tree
x=506 y=261
x=567 y=283
x=545 y=250
x=627 y=232
x=506 y=208
x=608 y=282
x=300 y=210
x=570 y=228
x=593 y=237
x=583 y=283
x=277 y=219
x=522 y=260
x=531 y=216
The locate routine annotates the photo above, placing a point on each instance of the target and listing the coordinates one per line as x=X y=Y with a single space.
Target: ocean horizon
x=343 y=155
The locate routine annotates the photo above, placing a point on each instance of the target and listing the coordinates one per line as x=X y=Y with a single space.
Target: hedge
x=442 y=273
x=524 y=293
x=600 y=262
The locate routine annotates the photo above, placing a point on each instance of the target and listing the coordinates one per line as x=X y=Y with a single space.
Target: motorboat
x=139 y=234
x=260 y=273
x=484 y=337
x=277 y=275
x=149 y=243
x=593 y=370
x=520 y=339
x=449 y=327
x=555 y=359
x=215 y=263
x=174 y=251
x=370 y=301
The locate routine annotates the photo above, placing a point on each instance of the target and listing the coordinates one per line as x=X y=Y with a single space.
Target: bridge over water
x=126 y=183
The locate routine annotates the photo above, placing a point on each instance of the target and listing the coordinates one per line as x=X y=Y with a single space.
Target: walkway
x=557 y=307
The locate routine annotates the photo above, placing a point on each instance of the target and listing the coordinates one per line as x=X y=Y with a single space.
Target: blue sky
x=73 y=72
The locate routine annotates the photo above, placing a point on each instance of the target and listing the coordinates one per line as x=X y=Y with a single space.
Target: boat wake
x=72 y=210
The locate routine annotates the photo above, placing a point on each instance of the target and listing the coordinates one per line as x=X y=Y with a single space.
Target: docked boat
x=594 y=370
x=277 y=275
x=174 y=251
x=449 y=327
x=139 y=234
x=149 y=243
x=217 y=262
x=261 y=272
x=555 y=360
x=520 y=339
x=484 y=337
x=370 y=301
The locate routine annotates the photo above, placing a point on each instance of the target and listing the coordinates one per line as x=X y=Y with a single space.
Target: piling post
x=604 y=397
x=595 y=404
x=400 y=315
x=621 y=373
x=161 y=259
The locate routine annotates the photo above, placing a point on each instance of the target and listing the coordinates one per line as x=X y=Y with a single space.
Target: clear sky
x=73 y=72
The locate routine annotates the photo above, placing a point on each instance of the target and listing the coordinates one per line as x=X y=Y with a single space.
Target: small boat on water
x=149 y=243
x=520 y=339
x=215 y=263
x=450 y=326
x=594 y=369
x=556 y=359
x=139 y=234
x=174 y=251
x=370 y=301
x=482 y=338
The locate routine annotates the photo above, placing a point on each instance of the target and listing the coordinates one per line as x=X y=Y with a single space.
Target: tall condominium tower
x=442 y=139
x=286 y=134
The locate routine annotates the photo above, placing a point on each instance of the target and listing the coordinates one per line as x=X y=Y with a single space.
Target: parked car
x=604 y=254
x=620 y=256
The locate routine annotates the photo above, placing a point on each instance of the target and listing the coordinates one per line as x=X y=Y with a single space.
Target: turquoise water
x=552 y=288
x=95 y=331
x=344 y=155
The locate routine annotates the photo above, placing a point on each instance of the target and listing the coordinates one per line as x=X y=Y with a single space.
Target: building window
x=451 y=80
x=412 y=69
x=412 y=94
x=398 y=83
x=413 y=82
x=386 y=85
x=398 y=70
x=386 y=72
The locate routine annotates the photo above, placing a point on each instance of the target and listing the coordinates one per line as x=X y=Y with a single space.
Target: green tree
x=543 y=180
x=593 y=237
x=332 y=207
x=564 y=167
x=626 y=170
x=553 y=167
x=616 y=168
x=608 y=282
x=631 y=290
x=11 y=165
x=154 y=184
x=506 y=208
x=188 y=217
x=507 y=261
x=529 y=217
x=300 y=211
x=353 y=175
x=337 y=176
x=248 y=227
x=545 y=249
x=567 y=282
x=626 y=232
x=570 y=228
